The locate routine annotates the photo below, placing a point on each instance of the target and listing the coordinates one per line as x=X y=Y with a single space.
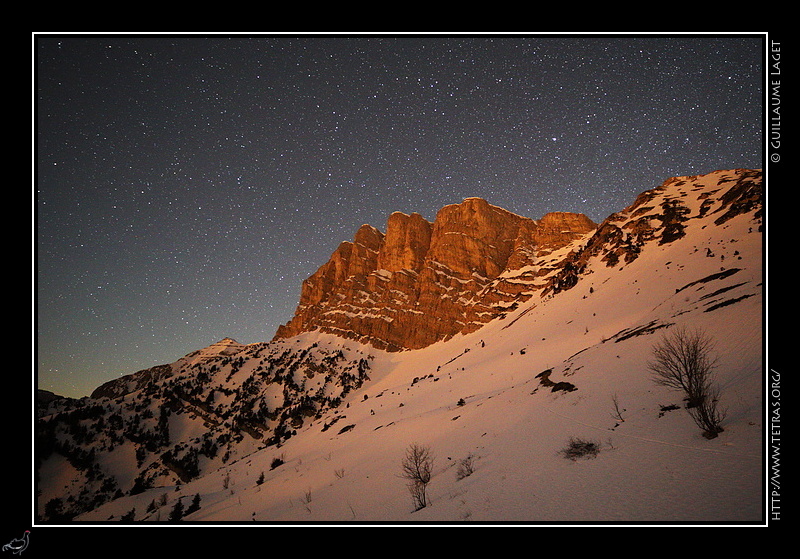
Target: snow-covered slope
x=487 y=399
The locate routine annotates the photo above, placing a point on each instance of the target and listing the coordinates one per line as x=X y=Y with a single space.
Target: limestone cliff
x=423 y=282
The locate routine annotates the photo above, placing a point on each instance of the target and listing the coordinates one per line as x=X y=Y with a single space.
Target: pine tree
x=195 y=505
x=177 y=511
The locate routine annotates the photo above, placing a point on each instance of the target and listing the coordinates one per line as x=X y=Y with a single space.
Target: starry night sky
x=185 y=186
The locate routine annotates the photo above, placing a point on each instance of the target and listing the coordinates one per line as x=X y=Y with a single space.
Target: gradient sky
x=185 y=186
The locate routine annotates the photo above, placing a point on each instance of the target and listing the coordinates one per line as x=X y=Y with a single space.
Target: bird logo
x=18 y=545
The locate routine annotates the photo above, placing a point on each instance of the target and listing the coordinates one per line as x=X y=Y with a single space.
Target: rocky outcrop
x=423 y=282
x=661 y=215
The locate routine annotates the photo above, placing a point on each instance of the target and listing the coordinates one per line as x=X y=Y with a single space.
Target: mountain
x=423 y=282
x=314 y=426
x=147 y=377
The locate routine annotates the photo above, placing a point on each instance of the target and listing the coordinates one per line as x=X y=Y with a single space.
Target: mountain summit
x=135 y=381
x=423 y=282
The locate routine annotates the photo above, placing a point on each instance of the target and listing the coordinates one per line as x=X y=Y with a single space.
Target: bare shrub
x=579 y=448
x=683 y=360
x=617 y=414
x=465 y=467
x=417 y=468
x=306 y=501
x=707 y=415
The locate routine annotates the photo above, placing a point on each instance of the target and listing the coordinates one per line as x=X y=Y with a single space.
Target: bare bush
x=465 y=467
x=306 y=501
x=707 y=414
x=617 y=414
x=579 y=448
x=417 y=468
x=683 y=360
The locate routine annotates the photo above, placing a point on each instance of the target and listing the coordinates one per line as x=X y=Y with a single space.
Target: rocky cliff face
x=423 y=282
